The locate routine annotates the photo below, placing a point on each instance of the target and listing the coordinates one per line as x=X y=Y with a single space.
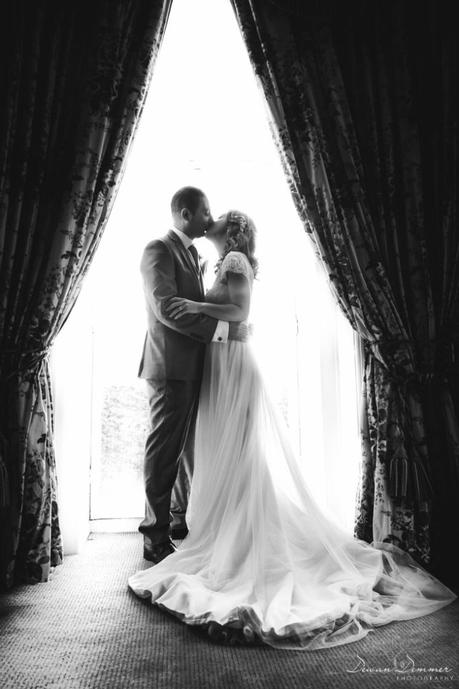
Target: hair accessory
x=239 y=219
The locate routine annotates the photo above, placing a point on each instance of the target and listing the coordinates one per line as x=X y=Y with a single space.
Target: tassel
x=4 y=485
x=422 y=485
x=398 y=475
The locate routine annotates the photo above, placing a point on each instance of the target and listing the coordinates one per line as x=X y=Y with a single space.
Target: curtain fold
x=362 y=99
x=74 y=82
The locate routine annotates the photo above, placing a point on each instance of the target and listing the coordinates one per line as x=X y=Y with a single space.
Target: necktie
x=194 y=252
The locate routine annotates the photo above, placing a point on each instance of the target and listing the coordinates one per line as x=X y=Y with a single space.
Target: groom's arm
x=157 y=268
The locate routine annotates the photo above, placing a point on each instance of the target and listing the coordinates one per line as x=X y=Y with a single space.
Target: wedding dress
x=261 y=555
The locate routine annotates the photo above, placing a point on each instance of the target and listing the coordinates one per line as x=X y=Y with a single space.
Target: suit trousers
x=168 y=452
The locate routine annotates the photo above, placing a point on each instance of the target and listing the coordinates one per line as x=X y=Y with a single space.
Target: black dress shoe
x=159 y=551
x=178 y=533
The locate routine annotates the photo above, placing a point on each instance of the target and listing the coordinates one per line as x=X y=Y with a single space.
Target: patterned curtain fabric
x=362 y=99
x=74 y=79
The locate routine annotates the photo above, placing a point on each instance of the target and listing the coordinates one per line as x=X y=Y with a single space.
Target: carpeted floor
x=84 y=630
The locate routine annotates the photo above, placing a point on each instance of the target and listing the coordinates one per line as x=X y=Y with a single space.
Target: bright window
x=205 y=124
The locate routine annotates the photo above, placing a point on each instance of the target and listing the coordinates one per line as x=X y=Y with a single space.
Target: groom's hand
x=238 y=331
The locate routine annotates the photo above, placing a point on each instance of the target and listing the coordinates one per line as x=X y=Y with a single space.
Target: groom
x=172 y=364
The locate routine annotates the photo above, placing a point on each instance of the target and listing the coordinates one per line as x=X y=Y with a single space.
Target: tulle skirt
x=261 y=556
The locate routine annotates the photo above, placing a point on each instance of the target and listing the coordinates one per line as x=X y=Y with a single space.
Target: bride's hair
x=240 y=236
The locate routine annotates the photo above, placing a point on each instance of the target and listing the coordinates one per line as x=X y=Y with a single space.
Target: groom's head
x=191 y=212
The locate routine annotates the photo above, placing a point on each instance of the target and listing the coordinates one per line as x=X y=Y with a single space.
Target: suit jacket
x=173 y=349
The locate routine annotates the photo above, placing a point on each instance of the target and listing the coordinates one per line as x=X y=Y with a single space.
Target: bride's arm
x=237 y=310
x=239 y=300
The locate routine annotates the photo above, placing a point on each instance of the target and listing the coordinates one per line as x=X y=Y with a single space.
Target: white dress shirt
x=222 y=329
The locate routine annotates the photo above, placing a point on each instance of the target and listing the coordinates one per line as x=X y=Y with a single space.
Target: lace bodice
x=234 y=262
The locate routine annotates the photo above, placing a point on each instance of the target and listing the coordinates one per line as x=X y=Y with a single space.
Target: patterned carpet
x=84 y=630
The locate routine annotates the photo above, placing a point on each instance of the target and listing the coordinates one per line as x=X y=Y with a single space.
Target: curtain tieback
x=445 y=364
x=24 y=359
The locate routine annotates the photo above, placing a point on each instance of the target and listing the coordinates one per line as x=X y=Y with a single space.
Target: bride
x=261 y=562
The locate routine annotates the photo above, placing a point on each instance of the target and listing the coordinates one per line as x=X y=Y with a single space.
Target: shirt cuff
x=221 y=332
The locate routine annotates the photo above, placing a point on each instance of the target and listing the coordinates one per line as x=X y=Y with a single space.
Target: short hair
x=186 y=197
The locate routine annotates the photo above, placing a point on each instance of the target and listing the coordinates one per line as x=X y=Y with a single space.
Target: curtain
x=362 y=98
x=73 y=86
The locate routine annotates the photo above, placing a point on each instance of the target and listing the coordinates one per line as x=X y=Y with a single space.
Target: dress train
x=261 y=556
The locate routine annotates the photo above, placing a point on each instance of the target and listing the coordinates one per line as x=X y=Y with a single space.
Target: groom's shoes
x=159 y=551
x=178 y=533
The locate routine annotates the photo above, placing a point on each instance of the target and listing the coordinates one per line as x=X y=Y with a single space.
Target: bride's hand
x=178 y=306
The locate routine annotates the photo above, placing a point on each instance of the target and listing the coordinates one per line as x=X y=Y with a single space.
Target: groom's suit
x=172 y=362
